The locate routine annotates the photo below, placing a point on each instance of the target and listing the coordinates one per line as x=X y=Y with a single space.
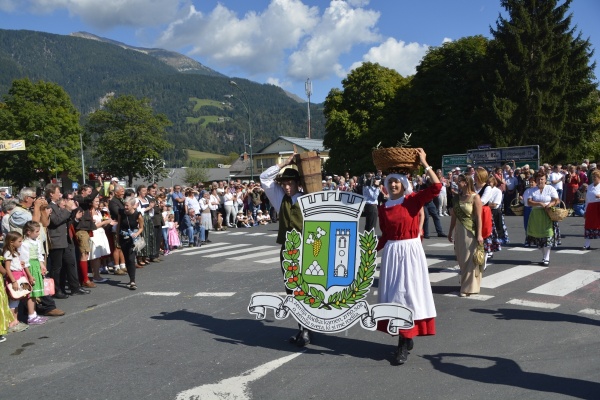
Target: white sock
x=123 y=266
x=32 y=316
x=546 y=252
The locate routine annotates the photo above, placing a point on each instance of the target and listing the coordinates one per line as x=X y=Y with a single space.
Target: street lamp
x=230 y=96
x=82 y=160
x=308 y=89
x=247 y=106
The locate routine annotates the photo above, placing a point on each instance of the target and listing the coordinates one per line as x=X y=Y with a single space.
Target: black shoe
x=60 y=295
x=303 y=338
x=442 y=235
x=410 y=344
x=207 y=241
x=425 y=237
x=587 y=247
x=80 y=291
x=402 y=352
x=294 y=339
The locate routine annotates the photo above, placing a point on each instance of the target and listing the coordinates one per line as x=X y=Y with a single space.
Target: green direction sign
x=454 y=160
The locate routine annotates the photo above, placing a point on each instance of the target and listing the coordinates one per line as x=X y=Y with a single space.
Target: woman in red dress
x=404 y=277
x=592 y=211
x=573 y=180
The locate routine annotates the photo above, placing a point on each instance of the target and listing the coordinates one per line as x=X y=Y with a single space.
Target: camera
x=369 y=179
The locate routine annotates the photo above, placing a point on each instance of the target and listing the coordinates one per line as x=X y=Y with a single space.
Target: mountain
x=178 y=61
x=196 y=99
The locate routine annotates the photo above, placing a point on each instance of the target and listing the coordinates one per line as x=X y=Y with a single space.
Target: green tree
x=542 y=88
x=128 y=132
x=445 y=98
x=42 y=114
x=355 y=116
x=193 y=176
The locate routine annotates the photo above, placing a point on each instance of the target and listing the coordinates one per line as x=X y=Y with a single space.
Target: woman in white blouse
x=540 y=231
x=592 y=210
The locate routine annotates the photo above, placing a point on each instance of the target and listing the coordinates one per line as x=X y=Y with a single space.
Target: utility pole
x=308 y=89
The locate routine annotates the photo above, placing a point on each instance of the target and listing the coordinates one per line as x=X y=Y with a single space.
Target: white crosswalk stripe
x=238 y=251
x=274 y=260
x=522 y=249
x=212 y=250
x=512 y=274
x=534 y=304
x=440 y=245
x=579 y=252
x=567 y=283
x=258 y=254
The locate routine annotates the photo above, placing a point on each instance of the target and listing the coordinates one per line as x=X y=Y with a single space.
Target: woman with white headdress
x=404 y=277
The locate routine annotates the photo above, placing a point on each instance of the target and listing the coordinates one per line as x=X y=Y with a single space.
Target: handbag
x=48 y=287
x=479 y=256
x=139 y=243
x=24 y=288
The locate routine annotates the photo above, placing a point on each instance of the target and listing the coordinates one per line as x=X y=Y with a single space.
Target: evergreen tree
x=542 y=89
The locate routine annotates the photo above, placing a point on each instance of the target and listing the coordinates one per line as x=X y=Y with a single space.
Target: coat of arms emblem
x=330 y=267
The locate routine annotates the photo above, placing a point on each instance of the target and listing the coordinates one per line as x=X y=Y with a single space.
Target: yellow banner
x=12 y=145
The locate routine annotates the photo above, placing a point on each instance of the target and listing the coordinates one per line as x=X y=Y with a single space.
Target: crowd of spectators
x=62 y=242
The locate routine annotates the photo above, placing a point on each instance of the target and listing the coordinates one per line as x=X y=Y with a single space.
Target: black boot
x=304 y=338
x=402 y=353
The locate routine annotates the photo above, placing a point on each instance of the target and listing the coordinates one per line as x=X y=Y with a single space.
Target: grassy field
x=207 y=119
x=201 y=155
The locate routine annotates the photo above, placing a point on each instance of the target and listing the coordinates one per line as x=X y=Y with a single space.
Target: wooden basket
x=309 y=167
x=396 y=159
x=559 y=213
x=516 y=207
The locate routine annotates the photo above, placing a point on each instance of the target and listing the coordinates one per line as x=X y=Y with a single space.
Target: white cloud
x=340 y=28
x=8 y=5
x=397 y=55
x=105 y=14
x=446 y=40
x=255 y=43
x=278 y=82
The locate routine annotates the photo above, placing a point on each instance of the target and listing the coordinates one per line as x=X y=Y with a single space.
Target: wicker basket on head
x=516 y=207
x=558 y=213
x=396 y=159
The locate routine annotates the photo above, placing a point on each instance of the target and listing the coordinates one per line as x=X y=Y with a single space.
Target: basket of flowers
x=517 y=207
x=557 y=213
x=396 y=159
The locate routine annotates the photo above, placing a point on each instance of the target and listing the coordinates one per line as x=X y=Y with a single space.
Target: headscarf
x=403 y=179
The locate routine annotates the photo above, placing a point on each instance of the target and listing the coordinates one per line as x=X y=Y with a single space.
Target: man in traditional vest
x=281 y=187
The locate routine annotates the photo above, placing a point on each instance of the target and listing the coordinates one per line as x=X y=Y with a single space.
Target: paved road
x=186 y=333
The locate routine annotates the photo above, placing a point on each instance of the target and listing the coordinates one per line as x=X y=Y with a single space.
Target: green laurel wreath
x=354 y=292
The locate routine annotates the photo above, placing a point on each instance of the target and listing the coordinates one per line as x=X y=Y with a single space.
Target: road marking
x=509 y=275
x=204 y=246
x=567 y=283
x=274 y=260
x=235 y=388
x=432 y=261
x=256 y=234
x=522 y=249
x=237 y=233
x=580 y=252
x=214 y=294
x=202 y=251
x=228 y=253
x=440 y=245
x=480 y=297
x=590 y=311
x=272 y=235
x=534 y=304
x=166 y=294
x=213 y=232
x=259 y=254
x=443 y=275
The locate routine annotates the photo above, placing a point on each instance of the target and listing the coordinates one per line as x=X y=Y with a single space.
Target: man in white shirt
x=557 y=177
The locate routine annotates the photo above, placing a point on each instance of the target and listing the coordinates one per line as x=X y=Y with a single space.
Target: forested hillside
x=90 y=69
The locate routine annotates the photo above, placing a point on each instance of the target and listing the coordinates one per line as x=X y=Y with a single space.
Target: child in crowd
x=32 y=254
x=173 y=235
x=15 y=269
x=166 y=211
x=6 y=316
x=262 y=219
x=241 y=220
x=250 y=219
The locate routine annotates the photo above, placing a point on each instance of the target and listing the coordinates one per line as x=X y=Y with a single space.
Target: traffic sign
x=503 y=154
x=454 y=159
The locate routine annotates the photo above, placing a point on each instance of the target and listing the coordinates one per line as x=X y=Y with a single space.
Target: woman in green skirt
x=540 y=232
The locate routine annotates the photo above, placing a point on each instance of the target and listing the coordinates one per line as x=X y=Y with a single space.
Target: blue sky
x=282 y=42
